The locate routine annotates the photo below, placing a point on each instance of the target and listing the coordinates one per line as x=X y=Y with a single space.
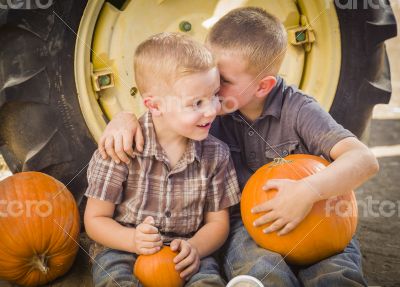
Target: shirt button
x=251 y=133
x=252 y=154
x=168 y=213
x=285 y=153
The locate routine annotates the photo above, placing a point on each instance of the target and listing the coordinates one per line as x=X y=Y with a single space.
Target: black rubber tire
x=365 y=72
x=41 y=125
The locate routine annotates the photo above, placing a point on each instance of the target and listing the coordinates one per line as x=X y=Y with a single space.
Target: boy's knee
x=343 y=269
x=208 y=275
x=265 y=265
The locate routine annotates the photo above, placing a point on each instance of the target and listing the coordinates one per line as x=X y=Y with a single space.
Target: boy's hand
x=117 y=139
x=188 y=259
x=288 y=208
x=147 y=238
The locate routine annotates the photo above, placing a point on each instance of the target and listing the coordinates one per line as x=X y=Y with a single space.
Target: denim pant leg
x=209 y=274
x=343 y=269
x=114 y=268
x=242 y=256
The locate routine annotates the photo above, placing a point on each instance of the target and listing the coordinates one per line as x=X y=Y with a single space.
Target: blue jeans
x=241 y=255
x=115 y=268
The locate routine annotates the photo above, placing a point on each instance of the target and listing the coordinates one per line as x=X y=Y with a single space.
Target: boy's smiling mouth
x=206 y=125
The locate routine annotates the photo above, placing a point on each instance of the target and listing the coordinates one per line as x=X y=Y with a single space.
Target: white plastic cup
x=244 y=281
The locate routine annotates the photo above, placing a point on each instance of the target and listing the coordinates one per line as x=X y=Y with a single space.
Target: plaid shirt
x=203 y=180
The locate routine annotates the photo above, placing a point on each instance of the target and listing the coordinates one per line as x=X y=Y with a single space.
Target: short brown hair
x=167 y=57
x=255 y=34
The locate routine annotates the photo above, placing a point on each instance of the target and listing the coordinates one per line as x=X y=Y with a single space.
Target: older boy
x=269 y=119
x=179 y=188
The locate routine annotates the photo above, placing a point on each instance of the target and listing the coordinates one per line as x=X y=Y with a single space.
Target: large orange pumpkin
x=39 y=227
x=325 y=231
x=158 y=269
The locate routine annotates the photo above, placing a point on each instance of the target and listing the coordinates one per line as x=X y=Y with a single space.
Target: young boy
x=269 y=119
x=179 y=188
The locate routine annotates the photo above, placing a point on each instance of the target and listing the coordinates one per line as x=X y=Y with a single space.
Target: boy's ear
x=152 y=105
x=265 y=85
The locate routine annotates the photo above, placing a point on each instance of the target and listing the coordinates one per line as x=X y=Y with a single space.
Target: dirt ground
x=378 y=232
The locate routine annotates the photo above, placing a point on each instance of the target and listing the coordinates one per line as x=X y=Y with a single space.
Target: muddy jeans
x=242 y=256
x=115 y=268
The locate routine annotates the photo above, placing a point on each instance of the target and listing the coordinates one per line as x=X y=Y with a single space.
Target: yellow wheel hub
x=108 y=36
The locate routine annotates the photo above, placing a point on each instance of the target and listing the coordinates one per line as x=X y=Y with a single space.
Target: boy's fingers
x=101 y=147
x=149 y=229
x=128 y=143
x=152 y=237
x=139 y=141
x=148 y=251
x=288 y=227
x=148 y=244
x=277 y=225
x=271 y=184
x=149 y=220
x=188 y=272
x=184 y=252
x=187 y=261
x=263 y=207
x=263 y=219
x=118 y=147
x=109 y=144
x=175 y=244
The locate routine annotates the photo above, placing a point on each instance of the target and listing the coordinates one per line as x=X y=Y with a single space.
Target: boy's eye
x=224 y=81
x=197 y=103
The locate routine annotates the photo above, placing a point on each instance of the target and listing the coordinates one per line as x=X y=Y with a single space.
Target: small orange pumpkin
x=325 y=231
x=158 y=269
x=39 y=227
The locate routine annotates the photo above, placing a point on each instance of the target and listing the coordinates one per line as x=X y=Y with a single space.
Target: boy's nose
x=212 y=109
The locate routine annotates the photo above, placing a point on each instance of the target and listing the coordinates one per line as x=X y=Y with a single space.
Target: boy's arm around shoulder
x=121 y=134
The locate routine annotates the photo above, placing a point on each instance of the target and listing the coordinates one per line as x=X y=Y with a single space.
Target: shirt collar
x=153 y=148
x=273 y=103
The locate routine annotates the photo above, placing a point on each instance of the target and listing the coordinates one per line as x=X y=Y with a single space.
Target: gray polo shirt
x=291 y=123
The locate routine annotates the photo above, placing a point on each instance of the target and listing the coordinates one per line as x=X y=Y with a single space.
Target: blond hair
x=166 y=57
x=259 y=37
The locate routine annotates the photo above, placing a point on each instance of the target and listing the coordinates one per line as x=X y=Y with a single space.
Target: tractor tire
x=364 y=79
x=41 y=124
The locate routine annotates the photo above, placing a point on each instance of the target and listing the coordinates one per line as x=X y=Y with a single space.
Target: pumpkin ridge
x=9 y=185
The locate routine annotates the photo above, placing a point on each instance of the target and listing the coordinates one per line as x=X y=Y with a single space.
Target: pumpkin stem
x=39 y=262
x=280 y=161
